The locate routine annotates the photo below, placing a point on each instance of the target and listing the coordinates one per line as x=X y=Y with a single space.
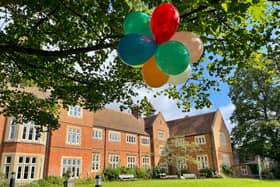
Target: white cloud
x=227 y=111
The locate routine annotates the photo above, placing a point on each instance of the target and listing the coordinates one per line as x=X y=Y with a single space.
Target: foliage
x=157 y=171
x=3 y=180
x=205 y=172
x=67 y=48
x=227 y=170
x=178 y=148
x=255 y=93
x=51 y=180
x=112 y=174
x=267 y=174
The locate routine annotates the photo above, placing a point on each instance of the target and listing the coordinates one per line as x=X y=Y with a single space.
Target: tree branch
x=45 y=18
x=5 y=47
x=198 y=9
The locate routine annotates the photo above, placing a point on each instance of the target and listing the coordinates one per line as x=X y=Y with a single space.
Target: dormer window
x=200 y=139
x=75 y=111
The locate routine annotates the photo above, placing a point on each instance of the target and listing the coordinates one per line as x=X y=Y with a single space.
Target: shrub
x=267 y=174
x=111 y=173
x=157 y=170
x=206 y=172
x=142 y=173
x=3 y=180
x=227 y=170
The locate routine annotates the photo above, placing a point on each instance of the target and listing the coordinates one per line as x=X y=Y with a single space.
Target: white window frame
x=75 y=111
x=23 y=165
x=244 y=170
x=181 y=164
x=131 y=161
x=146 y=138
x=29 y=132
x=113 y=135
x=161 y=135
x=114 y=160
x=146 y=162
x=97 y=133
x=226 y=160
x=200 y=139
x=73 y=135
x=95 y=162
x=202 y=161
x=161 y=150
x=7 y=166
x=72 y=163
x=223 y=138
x=131 y=139
x=12 y=129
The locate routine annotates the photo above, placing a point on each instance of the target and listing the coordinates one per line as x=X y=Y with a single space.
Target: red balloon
x=164 y=22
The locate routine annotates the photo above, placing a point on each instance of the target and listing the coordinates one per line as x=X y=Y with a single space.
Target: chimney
x=135 y=111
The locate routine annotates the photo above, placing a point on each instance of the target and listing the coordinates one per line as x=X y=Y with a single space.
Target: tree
x=177 y=150
x=68 y=49
x=255 y=92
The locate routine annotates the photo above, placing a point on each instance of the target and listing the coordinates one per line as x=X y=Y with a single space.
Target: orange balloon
x=152 y=75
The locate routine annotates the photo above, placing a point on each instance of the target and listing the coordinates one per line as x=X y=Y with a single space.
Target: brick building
x=88 y=142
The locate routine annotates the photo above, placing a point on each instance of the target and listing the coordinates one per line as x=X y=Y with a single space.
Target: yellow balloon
x=192 y=42
x=152 y=76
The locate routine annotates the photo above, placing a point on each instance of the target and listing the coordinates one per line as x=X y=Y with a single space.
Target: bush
x=3 y=180
x=113 y=173
x=227 y=170
x=157 y=170
x=142 y=173
x=51 y=180
x=206 y=172
x=267 y=174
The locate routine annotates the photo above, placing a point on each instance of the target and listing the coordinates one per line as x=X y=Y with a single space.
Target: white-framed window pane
x=72 y=166
x=226 y=160
x=200 y=139
x=95 y=161
x=181 y=164
x=7 y=166
x=75 y=111
x=161 y=135
x=145 y=140
x=130 y=139
x=29 y=132
x=13 y=128
x=146 y=162
x=26 y=167
x=114 y=160
x=131 y=161
x=73 y=135
x=161 y=151
x=114 y=136
x=202 y=161
x=222 y=138
x=97 y=133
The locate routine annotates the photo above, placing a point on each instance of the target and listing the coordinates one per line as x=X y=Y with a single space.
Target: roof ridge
x=115 y=110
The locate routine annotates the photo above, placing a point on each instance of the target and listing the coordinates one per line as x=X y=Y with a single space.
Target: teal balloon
x=137 y=22
x=135 y=49
x=172 y=57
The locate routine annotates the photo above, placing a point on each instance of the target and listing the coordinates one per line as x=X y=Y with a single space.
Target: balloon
x=135 y=49
x=192 y=42
x=172 y=57
x=152 y=75
x=164 y=22
x=137 y=22
x=180 y=78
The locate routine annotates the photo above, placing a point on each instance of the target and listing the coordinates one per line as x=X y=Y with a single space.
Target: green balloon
x=172 y=57
x=137 y=22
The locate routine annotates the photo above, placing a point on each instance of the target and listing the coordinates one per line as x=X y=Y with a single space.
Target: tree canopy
x=256 y=94
x=68 y=49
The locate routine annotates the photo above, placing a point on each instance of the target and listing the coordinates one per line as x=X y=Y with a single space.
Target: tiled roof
x=121 y=121
x=191 y=125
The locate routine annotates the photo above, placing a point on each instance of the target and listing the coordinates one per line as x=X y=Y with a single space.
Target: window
x=244 y=170
x=226 y=159
x=73 y=135
x=161 y=151
x=161 y=135
x=7 y=166
x=97 y=133
x=29 y=132
x=222 y=138
x=26 y=167
x=114 y=160
x=72 y=166
x=200 y=139
x=146 y=162
x=181 y=164
x=13 y=128
x=145 y=140
x=114 y=136
x=95 y=161
x=130 y=139
x=202 y=161
x=180 y=142
x=75 y=111
x=131 y=160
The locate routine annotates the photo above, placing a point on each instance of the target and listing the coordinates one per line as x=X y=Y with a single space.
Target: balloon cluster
x=153 y=44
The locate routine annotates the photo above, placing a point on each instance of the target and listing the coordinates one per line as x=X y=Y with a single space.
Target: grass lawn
x=190 y=183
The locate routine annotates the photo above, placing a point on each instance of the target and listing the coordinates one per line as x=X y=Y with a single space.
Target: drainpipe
x=47 y=153
x=105 y=148
x=139 y=161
